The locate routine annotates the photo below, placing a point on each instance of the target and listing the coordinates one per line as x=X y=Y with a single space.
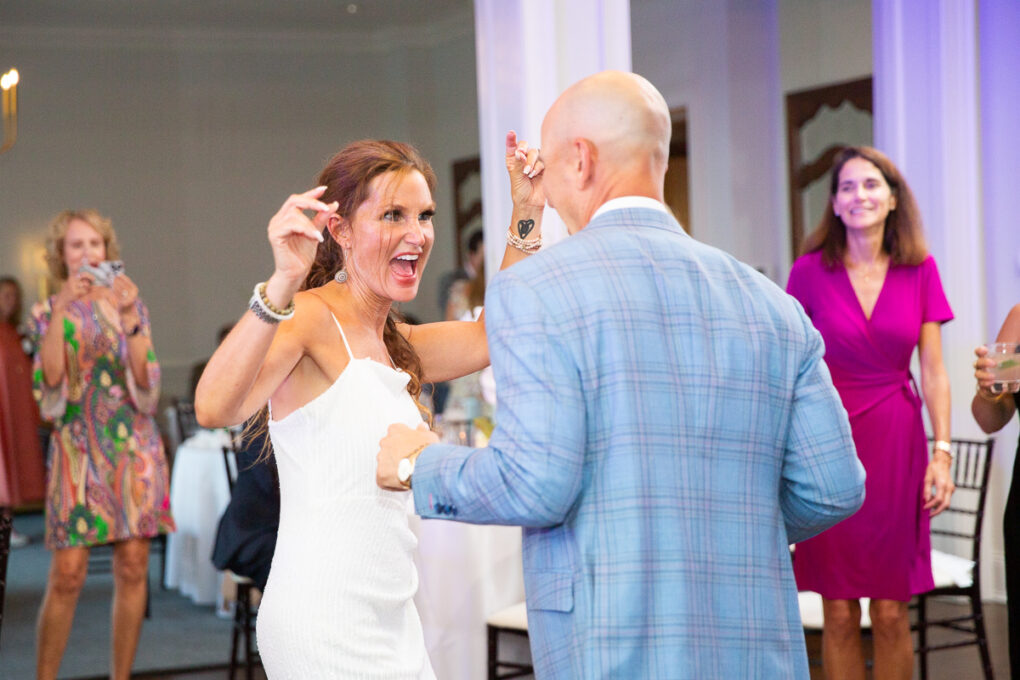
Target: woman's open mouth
x=405 y=266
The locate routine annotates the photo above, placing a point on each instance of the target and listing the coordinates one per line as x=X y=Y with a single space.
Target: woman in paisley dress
x=96 y=378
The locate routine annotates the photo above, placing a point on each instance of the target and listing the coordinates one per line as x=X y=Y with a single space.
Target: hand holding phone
x=103 y=273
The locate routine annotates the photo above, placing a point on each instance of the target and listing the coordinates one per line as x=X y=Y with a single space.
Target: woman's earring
x=341 y=275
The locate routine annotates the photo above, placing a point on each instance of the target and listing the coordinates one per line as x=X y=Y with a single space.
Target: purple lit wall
x=999 y=46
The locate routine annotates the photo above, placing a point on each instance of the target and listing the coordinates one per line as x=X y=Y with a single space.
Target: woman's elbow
x=209 y=414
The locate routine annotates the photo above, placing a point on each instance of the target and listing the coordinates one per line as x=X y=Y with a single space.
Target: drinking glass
x=1006 y=371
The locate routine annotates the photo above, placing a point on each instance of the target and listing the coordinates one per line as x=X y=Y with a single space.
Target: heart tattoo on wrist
x=524 y=227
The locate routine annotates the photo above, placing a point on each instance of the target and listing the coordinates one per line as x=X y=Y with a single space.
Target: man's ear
x=585 y=156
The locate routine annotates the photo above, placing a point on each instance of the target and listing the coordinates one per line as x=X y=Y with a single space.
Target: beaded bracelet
x=517 y=242
x=266 y=310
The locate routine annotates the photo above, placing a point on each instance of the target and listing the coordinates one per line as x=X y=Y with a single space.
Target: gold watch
x=405 y=468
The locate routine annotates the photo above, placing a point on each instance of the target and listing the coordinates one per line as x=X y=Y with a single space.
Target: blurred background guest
x=246 y=535
x=871 y=289
x=465 y=400
x=468 y=270
x=454 y=284
x=97 y=379
x=992 y=412
x=22 y=471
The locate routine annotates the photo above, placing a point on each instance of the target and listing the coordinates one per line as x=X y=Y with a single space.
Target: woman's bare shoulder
x=1010 y=331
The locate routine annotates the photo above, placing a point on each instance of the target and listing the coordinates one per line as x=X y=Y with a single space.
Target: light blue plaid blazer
x=666 y=428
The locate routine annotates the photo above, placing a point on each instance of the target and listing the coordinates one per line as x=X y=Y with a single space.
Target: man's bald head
x=625 y=123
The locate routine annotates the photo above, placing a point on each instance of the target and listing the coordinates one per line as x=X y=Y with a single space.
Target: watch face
x=404 y=470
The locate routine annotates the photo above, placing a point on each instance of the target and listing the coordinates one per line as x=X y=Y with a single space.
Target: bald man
x=666 y=424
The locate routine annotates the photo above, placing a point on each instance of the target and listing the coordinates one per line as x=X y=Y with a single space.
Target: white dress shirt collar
x=624 y=202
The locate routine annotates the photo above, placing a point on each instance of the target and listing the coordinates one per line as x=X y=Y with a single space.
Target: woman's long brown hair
x=347 y=178
x=903 y=239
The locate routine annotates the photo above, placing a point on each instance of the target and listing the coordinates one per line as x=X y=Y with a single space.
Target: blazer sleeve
x=822 y=479
x=530 y=474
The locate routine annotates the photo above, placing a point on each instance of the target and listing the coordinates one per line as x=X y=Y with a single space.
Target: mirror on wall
x=820 y=122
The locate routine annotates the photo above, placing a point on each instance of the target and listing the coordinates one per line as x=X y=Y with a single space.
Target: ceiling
x=346 y=16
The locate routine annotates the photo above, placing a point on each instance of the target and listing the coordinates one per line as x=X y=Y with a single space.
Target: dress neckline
x=351 y=359
x=332 y=386
x=857 y=298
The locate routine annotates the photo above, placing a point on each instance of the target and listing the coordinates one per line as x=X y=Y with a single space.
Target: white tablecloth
x=199 y=493
x=466 y=572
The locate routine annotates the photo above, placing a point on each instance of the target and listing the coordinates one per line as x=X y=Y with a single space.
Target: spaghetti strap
x=343 y=337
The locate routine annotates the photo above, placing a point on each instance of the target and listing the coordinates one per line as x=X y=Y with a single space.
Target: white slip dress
x=339 y=600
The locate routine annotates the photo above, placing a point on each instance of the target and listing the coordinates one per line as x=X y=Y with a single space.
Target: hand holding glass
x=1006 y=369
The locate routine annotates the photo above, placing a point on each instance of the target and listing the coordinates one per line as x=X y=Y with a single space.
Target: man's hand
x=400 y=442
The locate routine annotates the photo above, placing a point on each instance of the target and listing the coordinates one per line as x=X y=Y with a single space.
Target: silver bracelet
x=262 y=310
x=517 y=242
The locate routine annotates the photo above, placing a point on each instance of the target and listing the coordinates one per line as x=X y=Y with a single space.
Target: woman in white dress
x=322 y=348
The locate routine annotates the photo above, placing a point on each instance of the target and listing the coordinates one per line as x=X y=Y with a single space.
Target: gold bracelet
x=945 y=447
x=995 y=398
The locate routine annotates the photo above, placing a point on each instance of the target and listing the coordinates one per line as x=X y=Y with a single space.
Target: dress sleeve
x=52 y=400
x=798 y=285
x=934 y=305
x=145 y=400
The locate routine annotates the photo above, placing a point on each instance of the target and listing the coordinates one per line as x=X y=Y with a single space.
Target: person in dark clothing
x=246 y=535
x=993 y=410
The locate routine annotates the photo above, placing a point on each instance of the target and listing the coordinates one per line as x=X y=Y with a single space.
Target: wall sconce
x=9 y=85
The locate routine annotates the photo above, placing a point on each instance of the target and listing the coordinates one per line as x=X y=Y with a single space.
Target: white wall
x=823 y=42
x=999 y=49
x=191 y=139
x=720 y=60
x=731 y=63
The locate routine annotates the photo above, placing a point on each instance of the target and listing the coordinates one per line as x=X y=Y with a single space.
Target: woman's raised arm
x=452 y=349
x=257 y=355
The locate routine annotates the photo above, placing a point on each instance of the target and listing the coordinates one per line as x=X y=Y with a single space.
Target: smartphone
x=104 y=272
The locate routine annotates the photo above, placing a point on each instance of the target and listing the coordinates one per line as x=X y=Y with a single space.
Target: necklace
x=869 y=269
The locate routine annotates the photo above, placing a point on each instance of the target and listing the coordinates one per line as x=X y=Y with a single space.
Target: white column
x=926 y=120
x=528 y=51
x=1000 y=151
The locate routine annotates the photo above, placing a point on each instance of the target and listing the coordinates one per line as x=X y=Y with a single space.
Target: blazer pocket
x=550 y=590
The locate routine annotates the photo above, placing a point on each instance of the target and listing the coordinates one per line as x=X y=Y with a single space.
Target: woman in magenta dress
x=873 y=292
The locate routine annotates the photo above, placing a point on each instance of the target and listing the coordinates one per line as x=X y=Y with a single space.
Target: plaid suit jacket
x=666 y=427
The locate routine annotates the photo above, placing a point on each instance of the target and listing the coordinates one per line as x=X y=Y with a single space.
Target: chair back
x=187 y=423
x=6 y=527
x=960 y=524
x=230 y=460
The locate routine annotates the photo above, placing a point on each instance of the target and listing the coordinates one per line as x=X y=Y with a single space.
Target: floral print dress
x=107 y=479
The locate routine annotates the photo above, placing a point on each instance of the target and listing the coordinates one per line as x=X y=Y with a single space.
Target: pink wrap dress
x=884 y=550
